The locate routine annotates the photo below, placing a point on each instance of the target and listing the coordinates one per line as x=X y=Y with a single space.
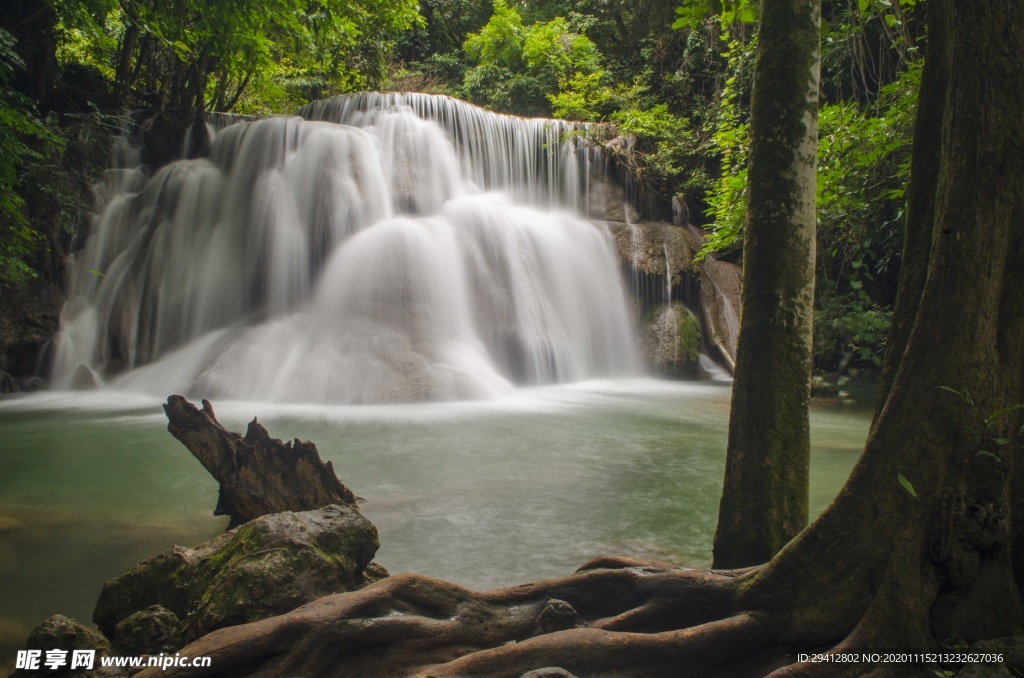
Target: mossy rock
x=63 y=633
x=153 y=630
x=263 y=568
x=671 y=340
x=823 y=387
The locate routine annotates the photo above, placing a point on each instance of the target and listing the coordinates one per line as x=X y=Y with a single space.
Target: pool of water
x=484 y=494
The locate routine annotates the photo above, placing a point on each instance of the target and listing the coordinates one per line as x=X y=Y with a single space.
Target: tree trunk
x=947 y=564
x=258 y=475
x=765 y=495
x=923 y=549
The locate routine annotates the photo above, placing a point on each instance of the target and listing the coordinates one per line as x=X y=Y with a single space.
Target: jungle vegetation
x=677 y=77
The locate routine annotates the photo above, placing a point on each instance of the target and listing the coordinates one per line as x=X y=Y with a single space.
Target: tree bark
x=765 y=495
x=258 y=475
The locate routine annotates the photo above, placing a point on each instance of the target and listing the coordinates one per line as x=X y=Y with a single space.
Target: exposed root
x=407 y=624
x=696 y=651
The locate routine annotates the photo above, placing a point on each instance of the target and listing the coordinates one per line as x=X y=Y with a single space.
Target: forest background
x=677 y=79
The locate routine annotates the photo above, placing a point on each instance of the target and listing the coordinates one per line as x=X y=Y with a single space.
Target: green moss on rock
x=671 y=340
x=264 y=568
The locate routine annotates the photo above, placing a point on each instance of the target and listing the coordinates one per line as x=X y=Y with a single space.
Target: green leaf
x=1003 y=412
x=906 y=485
x=986 y=453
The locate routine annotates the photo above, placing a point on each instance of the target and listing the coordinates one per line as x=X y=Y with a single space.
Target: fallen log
x=258 y=475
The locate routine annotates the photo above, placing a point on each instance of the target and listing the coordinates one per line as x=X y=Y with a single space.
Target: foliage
x=23 y=137
x=663 y=134
x=863 y=167
x=521 y=69
x=196 y=55
x=693 y=12
x=444 y=28
x=850 y=333
x=727 y=197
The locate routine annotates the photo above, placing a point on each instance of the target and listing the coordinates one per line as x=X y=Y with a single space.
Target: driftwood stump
x=258 y=474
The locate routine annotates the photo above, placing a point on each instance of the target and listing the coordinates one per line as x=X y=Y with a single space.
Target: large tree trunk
x=765 y=496
x=915 y=571
x=883 y=568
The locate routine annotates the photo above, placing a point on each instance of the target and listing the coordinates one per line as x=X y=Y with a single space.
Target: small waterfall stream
x=380 y=248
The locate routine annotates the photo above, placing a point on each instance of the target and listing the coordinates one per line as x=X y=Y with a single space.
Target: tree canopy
x=682 y=92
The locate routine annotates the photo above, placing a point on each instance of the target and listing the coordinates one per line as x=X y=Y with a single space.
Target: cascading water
x=385 y=248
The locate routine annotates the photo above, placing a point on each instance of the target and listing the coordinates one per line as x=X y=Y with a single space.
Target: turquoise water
x=484 y=494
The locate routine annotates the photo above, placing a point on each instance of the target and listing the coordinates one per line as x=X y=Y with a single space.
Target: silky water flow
x=376 y=248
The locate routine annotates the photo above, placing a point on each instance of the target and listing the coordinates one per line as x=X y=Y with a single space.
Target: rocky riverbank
x=274 y=561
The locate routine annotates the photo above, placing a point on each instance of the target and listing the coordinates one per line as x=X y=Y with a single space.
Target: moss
x=671 y=340
x=688 y=346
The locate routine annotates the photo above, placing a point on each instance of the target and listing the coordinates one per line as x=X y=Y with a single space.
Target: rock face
x=671 y=340
x=264 y=568
x=720 y=306
x=258 y=475
x=63 y=633
x=654 y=248
x=29 y=317
x=607 y=202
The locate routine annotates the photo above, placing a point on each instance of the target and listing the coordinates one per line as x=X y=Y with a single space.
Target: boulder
x=64 y=634
x=258 y=475
x=823 y=388
x=151 y=631
x=266 y=567
x=671 y=340
x=83 y=379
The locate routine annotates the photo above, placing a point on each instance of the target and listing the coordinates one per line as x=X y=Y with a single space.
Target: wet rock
x=32 y=384
x=65 y=634
x=823 y=388
x=83 y=379
x=655 y=248
x=151 y=631
x=258 y=475
x=671 y=341
x=29 y=317
x=720 y=284
x=607 y=202
x=264 y=568
x=680 y=212
x=557 y=615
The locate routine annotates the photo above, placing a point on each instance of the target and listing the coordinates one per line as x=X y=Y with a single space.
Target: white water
x=395 y=248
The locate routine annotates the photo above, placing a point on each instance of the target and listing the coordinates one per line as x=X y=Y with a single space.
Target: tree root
x=611 y=613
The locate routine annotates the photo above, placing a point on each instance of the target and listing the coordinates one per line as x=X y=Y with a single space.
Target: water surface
x=485 y=494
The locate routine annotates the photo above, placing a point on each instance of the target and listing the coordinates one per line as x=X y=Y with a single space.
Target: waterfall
x=379 y=248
